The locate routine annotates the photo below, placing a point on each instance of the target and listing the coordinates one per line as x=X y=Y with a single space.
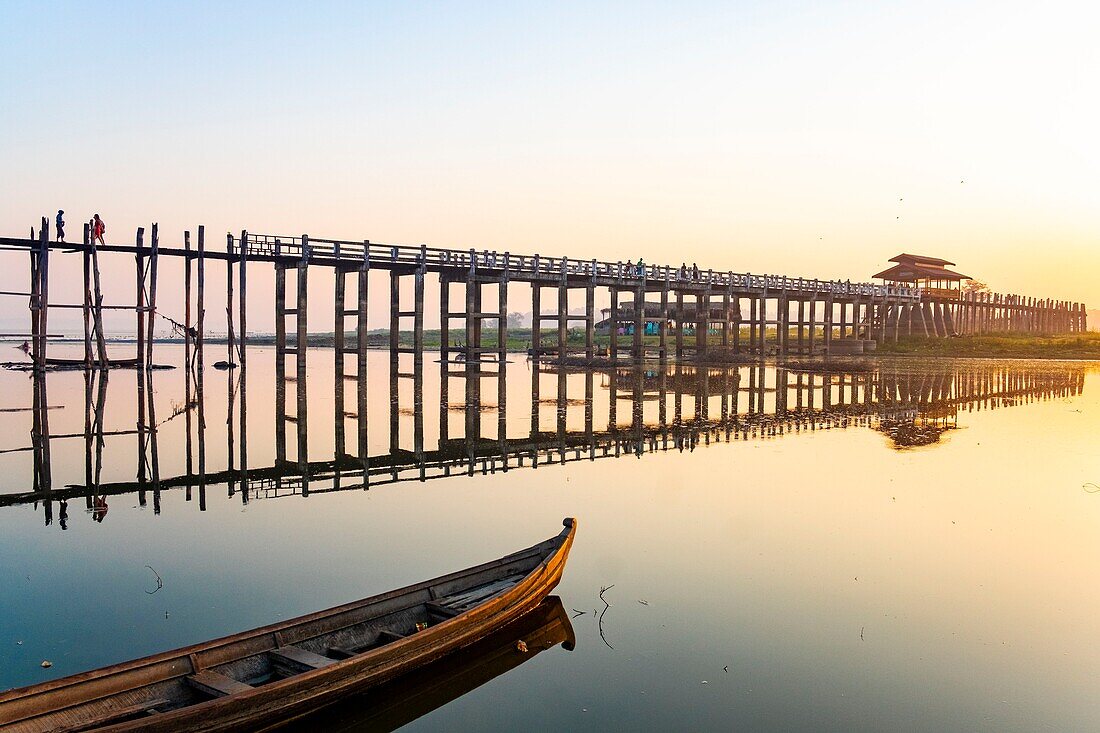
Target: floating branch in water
x=606 y=606
x=160 y=583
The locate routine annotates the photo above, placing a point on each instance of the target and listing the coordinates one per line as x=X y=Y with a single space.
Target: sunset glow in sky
x=804 y=138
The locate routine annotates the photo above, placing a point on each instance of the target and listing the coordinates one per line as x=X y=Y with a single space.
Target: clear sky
x=814 y=139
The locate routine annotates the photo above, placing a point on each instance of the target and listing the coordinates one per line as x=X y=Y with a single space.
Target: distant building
x=929 y=273
x=651 y=317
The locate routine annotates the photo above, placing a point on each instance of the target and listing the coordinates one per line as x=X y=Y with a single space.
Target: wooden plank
x=298 y=657
x=441 y=611
x=216 y=684
x=113 y=716
x=480 y=593
x=340 y=652
x=388 y=637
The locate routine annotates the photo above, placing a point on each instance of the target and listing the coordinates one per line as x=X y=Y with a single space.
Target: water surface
x=910 y=547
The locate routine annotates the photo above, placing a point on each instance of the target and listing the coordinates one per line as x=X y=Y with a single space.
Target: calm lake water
x=911 y=548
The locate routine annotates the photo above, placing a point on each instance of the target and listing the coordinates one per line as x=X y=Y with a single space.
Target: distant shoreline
x=1083 y=346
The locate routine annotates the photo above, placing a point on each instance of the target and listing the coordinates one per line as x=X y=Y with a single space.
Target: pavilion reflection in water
x=671 y=407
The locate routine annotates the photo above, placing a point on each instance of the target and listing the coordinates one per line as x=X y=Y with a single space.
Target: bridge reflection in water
x=643 y=410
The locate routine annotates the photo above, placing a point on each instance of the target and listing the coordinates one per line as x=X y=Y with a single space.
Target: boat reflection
x=400 y=701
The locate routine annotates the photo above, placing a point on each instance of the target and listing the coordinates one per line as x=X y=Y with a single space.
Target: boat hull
x=274 y=704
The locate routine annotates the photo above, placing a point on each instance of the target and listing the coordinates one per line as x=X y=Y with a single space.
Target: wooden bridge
x=733 y=314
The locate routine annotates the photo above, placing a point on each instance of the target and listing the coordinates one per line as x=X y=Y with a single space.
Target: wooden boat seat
x=464 y=601
x=216 y=684
x=293 y=659
x=340 y=652
x=441 y=612
x=386 y=636
x=117 y=715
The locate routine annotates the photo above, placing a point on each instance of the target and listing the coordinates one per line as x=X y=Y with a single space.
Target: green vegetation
x=1004 y=346
x=519 y=339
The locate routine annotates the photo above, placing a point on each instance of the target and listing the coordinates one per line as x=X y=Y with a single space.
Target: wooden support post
x=230 y=335
x=139 y=258
x=142 y=424
x=502 y=327
x=801 y=326
x=44 y=303
x=702 y=322
x=813 y=323
x=753 y=301
x=154 y=248
x=418 y=356
x=34 y=304
x=242 y=297
x=883 y=315
x=563 y=316
x=339 y=327
x=361 y=328
x=725 y=325
x=613 y=330
x=444 y=318
x=590 y=321
x=280 y=359
x=843 y=320
x=536 y=313
x=97 y=308
x=188 y=339
x=783 y=324
x=473 y=287
x=200 y=305
x=88 y=306
x=762 y=311
x=663 y=326
x=301 y=350
x=828 y=324
x=680 y=324
x=737 y=321
x=638 y=347
x=418 y=325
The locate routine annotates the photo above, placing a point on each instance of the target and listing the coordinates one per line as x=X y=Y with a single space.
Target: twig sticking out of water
x=1091 y=488
x=160 y=583
x=578 y=613
x=606 y=606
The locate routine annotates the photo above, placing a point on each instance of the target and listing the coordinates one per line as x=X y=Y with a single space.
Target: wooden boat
x=263 y=678
x=394 y=704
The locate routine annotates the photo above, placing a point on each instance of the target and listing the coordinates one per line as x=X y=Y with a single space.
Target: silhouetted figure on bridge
x=98 y=229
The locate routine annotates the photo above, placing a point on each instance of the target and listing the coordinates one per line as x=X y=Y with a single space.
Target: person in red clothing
x=98 y=229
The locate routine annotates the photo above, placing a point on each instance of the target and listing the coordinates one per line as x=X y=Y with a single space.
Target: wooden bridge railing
x=309 y=249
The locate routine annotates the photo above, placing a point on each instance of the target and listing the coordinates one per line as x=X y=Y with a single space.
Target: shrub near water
x=1024 y=346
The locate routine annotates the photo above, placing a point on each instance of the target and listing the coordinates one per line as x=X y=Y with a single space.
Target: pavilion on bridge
x=929 y=273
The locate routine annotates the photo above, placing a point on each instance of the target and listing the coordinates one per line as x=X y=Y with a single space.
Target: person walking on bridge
x=60 y=222
x=98 y=229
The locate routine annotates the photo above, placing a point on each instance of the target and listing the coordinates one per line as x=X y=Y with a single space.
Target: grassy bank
x=1002 y=346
